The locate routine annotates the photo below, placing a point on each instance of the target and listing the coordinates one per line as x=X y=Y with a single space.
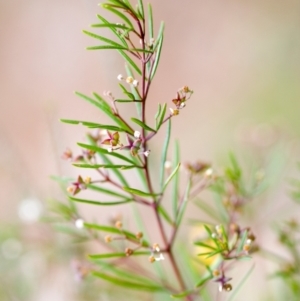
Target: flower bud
x=108 y=238
x=128 y=251
x=118 y=224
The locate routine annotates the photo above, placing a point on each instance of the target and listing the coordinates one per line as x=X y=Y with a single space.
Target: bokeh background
x=241 y=58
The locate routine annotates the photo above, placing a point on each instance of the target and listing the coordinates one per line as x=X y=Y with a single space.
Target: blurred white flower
x=135 y=83
x=168 y=164
x=147 y=152
x=30 y=210
x=137 y=134
x=79 y=223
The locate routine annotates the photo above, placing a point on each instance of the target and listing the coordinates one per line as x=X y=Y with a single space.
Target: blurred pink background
x=241 y=58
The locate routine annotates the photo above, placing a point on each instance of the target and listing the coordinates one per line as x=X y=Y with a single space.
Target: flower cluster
x=182 y=96
x=129 y=80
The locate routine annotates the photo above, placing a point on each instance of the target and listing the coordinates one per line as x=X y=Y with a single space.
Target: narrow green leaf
x=164 y=154
x=157 y=58
x=242 y=242
x=105 y=47
x=94 y=125
x=175 y=188
x=141 y=9
x=119 y=3
x=209 y=232
x=129 y=6
x=85 y=123
x=158 y=51
x=214 y=253
x=119 y=14
x=113 y=230
x=224 y=234
x=112 y=268
x=130 y=62
x=61 y=209
x=165 y=215
x=69 y=121
x=171 y=176
x=70 y=231
x=150 y=20
x=92 y=202
x=102 y=105
x=106 y=191
x=120 y=254
x=157 y=115
x=139 y=192
x=99 y=102
x=106 y=152
x=113 y=166
x=140 y=50
x=102 y=39
x=183 y=294
x=112 y=25
x=161 y=116
x=142 y=124
x=184 y=203
x=128 y=284
x=114 y=31
x=240 y=284
x=126 y=100
x=203 y=280
x=234 y=173
x=160 y=34
x=107 y=109
x=202 y=244
x=107 y=255
x=130 y=95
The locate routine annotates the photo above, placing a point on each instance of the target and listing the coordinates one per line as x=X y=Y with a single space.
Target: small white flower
x=168 y=164
x=182 y=105
x=209 y=172
x=147 y=152
x=110 y=149
x=137 y=134
x=79 y=223
x=248 y=241
x=135 y=83
x=120 y=77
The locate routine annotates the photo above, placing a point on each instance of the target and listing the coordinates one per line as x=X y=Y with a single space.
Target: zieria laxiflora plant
x=143 y=257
